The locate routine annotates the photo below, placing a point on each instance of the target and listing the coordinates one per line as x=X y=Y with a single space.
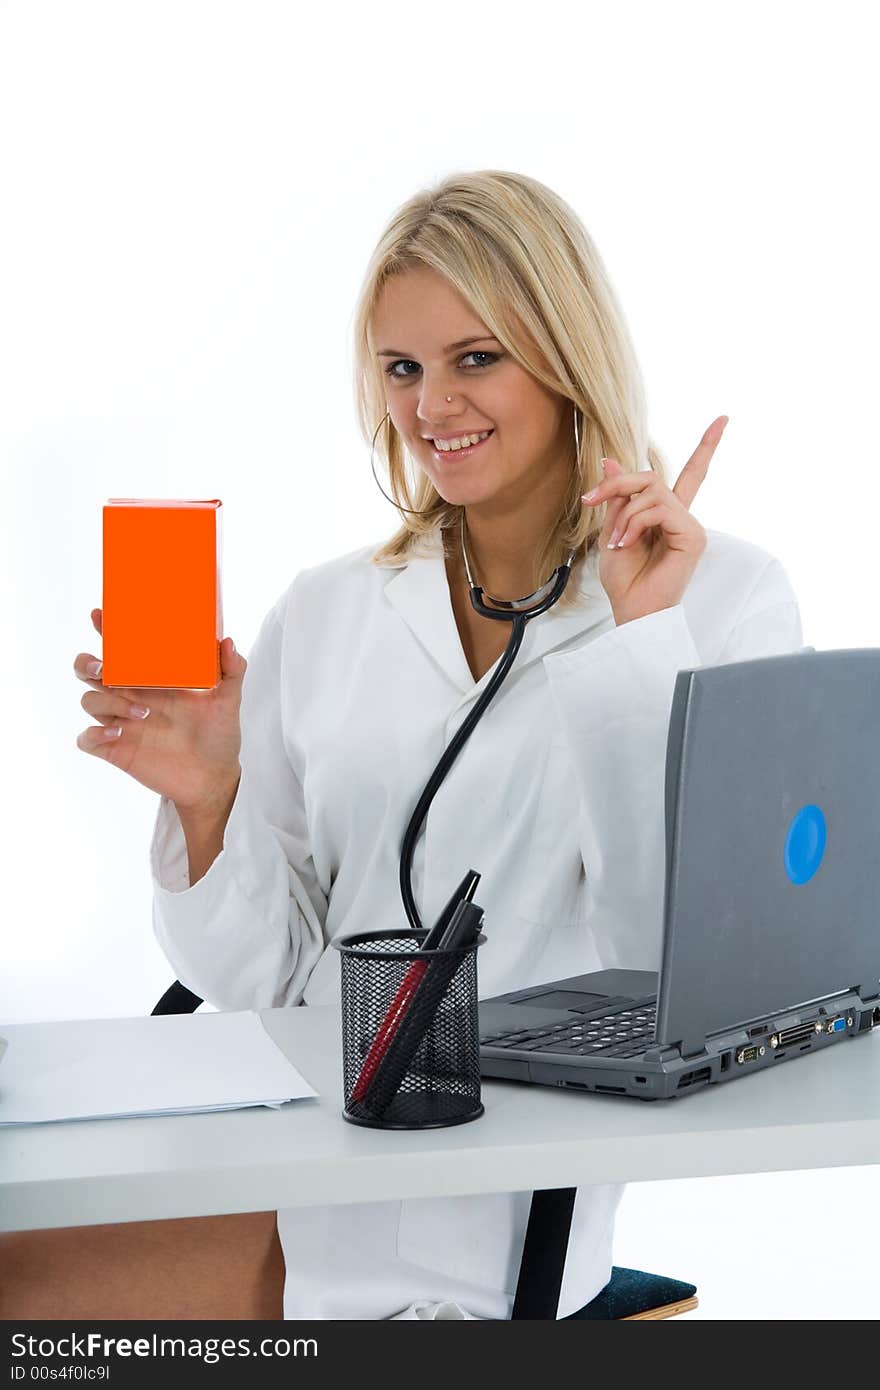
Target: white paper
x=171 y=1064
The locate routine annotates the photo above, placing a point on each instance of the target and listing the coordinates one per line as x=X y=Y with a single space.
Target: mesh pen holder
x=410 y=1032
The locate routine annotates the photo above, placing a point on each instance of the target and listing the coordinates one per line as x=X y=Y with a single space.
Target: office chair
x=631 y=1294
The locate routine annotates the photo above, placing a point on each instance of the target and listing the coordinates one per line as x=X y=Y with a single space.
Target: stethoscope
x=517 y=612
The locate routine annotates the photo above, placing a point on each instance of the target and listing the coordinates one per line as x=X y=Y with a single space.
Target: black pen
x=463 y=929
x=463 y=893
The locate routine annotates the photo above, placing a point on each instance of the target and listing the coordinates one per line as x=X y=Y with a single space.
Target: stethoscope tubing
x=518 y=620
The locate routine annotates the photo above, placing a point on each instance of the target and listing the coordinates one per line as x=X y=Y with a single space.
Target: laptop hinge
x=692 y=1047
x=663 y=1053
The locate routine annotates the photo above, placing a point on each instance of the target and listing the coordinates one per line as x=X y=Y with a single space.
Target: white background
x=191 y=193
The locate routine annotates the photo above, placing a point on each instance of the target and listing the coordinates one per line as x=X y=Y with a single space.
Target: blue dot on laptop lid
x=805 y=844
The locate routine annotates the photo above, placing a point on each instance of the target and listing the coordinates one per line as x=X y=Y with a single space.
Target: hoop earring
x=398 y=505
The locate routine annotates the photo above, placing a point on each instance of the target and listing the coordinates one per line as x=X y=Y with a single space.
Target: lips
x=446 y=455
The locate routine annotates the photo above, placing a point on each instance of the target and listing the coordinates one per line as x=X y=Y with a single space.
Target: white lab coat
x=356 y=682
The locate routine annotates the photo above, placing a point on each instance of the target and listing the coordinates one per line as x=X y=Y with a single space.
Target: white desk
x=817 y=1112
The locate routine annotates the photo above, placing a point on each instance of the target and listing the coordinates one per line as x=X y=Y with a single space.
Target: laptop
x=771 y=924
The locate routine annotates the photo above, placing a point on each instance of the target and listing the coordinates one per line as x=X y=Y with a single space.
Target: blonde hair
x=525 y=263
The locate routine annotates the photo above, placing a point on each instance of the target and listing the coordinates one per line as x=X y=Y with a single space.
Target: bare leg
x=191 y=1268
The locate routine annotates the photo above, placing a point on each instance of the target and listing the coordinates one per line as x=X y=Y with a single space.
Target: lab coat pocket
x=552 y=882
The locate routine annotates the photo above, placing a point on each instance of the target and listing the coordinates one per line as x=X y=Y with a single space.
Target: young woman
x=490 y=348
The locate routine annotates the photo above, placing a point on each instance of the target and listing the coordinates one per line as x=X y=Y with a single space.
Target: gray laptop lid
x=773 y=839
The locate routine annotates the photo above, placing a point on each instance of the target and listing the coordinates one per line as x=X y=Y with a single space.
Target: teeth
x=446 y=444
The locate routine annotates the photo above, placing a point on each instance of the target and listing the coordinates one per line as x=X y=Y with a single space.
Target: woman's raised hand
x=650 y=544
x=187 y=746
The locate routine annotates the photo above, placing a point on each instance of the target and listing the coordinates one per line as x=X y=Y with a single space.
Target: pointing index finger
x=694 y=472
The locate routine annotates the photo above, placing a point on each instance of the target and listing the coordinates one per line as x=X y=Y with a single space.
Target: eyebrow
x=464 y=342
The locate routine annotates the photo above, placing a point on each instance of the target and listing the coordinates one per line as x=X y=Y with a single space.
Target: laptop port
x=693 y=1078
x=838 y=1025
x=750 y=1054
x=582 y=1086
x=802 y=1032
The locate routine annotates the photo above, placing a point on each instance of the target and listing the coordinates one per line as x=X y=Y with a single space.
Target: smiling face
x=419 y=326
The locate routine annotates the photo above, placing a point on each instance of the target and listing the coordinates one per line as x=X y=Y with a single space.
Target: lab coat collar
x=420 y=593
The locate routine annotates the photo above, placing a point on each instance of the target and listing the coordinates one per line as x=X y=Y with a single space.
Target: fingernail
x=614 y=539
x=590 y=496
x=94 y=668
x=113 y=732
x=138 y=711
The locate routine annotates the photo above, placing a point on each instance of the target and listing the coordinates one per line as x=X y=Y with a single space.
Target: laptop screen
x=773 y=855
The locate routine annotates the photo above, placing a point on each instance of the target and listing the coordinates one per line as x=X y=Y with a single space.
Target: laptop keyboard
x=625 y=1034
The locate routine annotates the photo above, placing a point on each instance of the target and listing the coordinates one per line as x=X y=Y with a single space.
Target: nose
x=435 y=411
x=433 y=407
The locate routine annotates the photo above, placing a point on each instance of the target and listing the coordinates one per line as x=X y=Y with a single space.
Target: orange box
x=162 y=610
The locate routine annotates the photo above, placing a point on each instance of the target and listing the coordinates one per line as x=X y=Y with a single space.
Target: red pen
x=388 y=1027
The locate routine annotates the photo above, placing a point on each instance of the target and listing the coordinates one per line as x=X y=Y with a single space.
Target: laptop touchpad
x=564 y=999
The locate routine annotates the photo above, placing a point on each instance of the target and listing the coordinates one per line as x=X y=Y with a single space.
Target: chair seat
x=631 y=1293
